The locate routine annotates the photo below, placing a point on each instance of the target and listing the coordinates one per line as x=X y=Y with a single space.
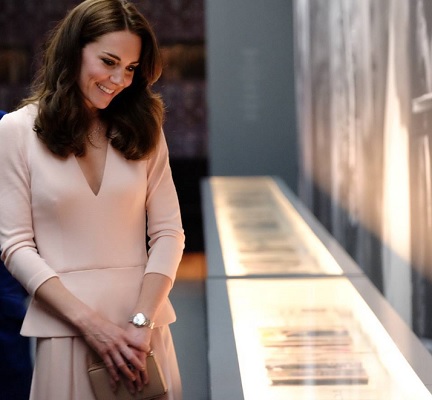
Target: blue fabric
x=15 y=362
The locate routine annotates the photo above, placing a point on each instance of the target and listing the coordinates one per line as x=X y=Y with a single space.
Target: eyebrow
x=117 y=57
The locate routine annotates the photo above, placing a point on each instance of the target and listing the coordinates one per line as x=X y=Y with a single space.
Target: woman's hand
x=143 y=336
x=154 y=291
x=116 y=346
x=122 y=350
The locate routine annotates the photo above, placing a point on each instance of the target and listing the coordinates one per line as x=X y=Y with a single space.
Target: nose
x=117 y=77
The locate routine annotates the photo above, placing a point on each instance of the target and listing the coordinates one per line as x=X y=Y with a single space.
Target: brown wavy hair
x=134 y=116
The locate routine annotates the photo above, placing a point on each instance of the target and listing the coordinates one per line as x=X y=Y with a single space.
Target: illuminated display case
x=263 y=229
x=311 y=339
x=313 y=329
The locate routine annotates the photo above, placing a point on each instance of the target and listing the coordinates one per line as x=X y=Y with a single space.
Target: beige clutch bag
x=102 y=390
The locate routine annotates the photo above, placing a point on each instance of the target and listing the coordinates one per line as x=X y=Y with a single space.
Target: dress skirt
x=60 y=371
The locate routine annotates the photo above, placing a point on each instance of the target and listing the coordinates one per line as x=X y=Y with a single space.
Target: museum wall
x=364 y=101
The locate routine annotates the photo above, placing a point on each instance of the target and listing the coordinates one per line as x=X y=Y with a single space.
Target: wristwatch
x=140 y=320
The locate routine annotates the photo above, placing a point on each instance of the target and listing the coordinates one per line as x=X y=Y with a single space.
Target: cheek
x=128 y=81
x=93 y=72
x=84 y=78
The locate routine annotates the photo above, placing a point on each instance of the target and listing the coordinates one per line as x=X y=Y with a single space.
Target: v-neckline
x=85 y=178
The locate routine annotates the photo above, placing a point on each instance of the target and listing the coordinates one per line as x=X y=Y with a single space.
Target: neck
x=96 y=134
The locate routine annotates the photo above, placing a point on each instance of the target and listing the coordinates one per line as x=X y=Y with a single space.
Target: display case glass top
x=262 y=232
x=315 y=338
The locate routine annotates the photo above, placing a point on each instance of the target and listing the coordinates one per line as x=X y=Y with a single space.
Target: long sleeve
x=16 y=230
x=163 y=215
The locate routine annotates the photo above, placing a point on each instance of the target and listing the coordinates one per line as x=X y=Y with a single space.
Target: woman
x=85 y=179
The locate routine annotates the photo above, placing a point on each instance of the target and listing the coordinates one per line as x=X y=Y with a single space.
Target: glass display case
x=317 y=339
x=310 y=339
x=290 y=315
x=261 y=231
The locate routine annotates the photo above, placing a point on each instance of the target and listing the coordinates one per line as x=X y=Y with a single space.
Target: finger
x=127 y=372
x=134 y=357
x=130 y=385
x=145 y=375
x=122 y=365
x=113 y=383
x=112 y=370
x=139 y=382
x=136 y=362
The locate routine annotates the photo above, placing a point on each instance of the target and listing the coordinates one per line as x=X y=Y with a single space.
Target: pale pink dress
x=52 y=224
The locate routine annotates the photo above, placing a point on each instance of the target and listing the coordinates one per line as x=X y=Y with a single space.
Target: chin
x=101 y=105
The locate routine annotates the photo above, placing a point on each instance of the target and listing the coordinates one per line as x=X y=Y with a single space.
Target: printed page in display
x=315 y=338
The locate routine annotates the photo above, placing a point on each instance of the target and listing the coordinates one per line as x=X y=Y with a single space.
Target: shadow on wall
x=361 y=244
x=367 y=249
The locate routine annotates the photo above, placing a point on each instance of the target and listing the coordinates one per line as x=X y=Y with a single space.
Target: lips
x=104 y=89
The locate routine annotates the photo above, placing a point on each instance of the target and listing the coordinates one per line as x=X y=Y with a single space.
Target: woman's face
x=108 y=66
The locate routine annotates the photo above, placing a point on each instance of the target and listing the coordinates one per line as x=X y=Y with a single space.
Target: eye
x=132 y=68
x=108 y=62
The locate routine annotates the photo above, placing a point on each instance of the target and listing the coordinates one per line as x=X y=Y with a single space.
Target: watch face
x=139 y=319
